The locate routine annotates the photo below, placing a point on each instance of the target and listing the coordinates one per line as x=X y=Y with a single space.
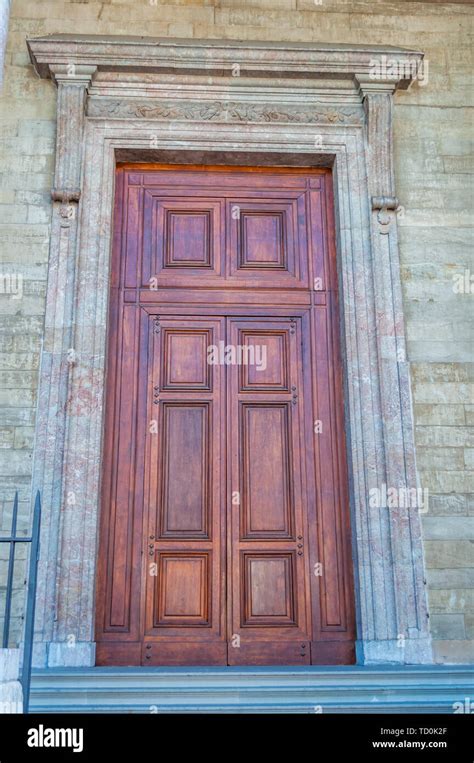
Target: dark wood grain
x=225 y=527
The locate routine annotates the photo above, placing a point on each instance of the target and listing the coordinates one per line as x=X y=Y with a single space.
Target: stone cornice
x=217 y=58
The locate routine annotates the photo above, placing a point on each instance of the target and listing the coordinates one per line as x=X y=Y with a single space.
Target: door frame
x=284 y=111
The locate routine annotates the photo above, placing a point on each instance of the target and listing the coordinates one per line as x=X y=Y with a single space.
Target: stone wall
x=433 y=180
x=11 y=693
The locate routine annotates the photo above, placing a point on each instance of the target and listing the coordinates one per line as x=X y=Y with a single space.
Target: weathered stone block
x=442 y=372
x=469 y=414
x=24 y=438
x=448 y=528
x=448 y=505
x=453 y=651
x=448 y=626
x=440 y=458
x=469 y=458
x=449 y=554
x=6 y=437
x=450 y=579
x=448 y=482
x=469 y=624
x=438 y=415
x=438 y=436
x=459 y=600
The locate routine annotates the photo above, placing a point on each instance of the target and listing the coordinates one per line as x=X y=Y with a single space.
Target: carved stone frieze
x=225 y=111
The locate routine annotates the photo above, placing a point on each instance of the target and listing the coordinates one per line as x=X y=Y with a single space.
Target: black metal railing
x=13 y=539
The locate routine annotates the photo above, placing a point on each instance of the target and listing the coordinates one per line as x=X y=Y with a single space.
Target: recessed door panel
x=266 y=355
x=267 y=500
x=185 y=469
x=268 y=594
x=184 y=363
x=183 y=594
x=268 y=244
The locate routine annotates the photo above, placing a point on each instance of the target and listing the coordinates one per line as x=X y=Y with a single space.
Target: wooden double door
x=224 y=535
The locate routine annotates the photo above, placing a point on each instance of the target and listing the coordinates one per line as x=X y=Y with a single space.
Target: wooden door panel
x=185 y=492
x=253 y=652
x=184 y=359
x=268 y=589
x=267 y=242
x=267 y=506
x=120 y=563
x=268 y=572
x=252 y=239
x=183 y=594
x=183 y=238
x=184 y=509
x=225 y=534
x=270 y=372
x=333 y=618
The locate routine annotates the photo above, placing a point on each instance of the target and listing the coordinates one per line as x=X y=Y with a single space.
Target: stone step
x=345 y=689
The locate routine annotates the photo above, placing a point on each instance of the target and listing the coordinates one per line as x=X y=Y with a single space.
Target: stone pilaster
x=58 y=356
x=407 y=631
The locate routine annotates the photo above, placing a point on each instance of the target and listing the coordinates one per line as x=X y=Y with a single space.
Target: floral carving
x=226 y=111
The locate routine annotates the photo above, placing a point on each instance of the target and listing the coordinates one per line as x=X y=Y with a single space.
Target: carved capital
x=72 y=74
x=370 y=87
x=72 y=81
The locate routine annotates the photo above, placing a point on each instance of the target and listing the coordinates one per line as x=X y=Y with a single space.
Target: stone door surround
x=216 y=102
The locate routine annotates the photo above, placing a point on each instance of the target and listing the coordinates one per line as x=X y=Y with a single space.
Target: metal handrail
x=13 y=539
